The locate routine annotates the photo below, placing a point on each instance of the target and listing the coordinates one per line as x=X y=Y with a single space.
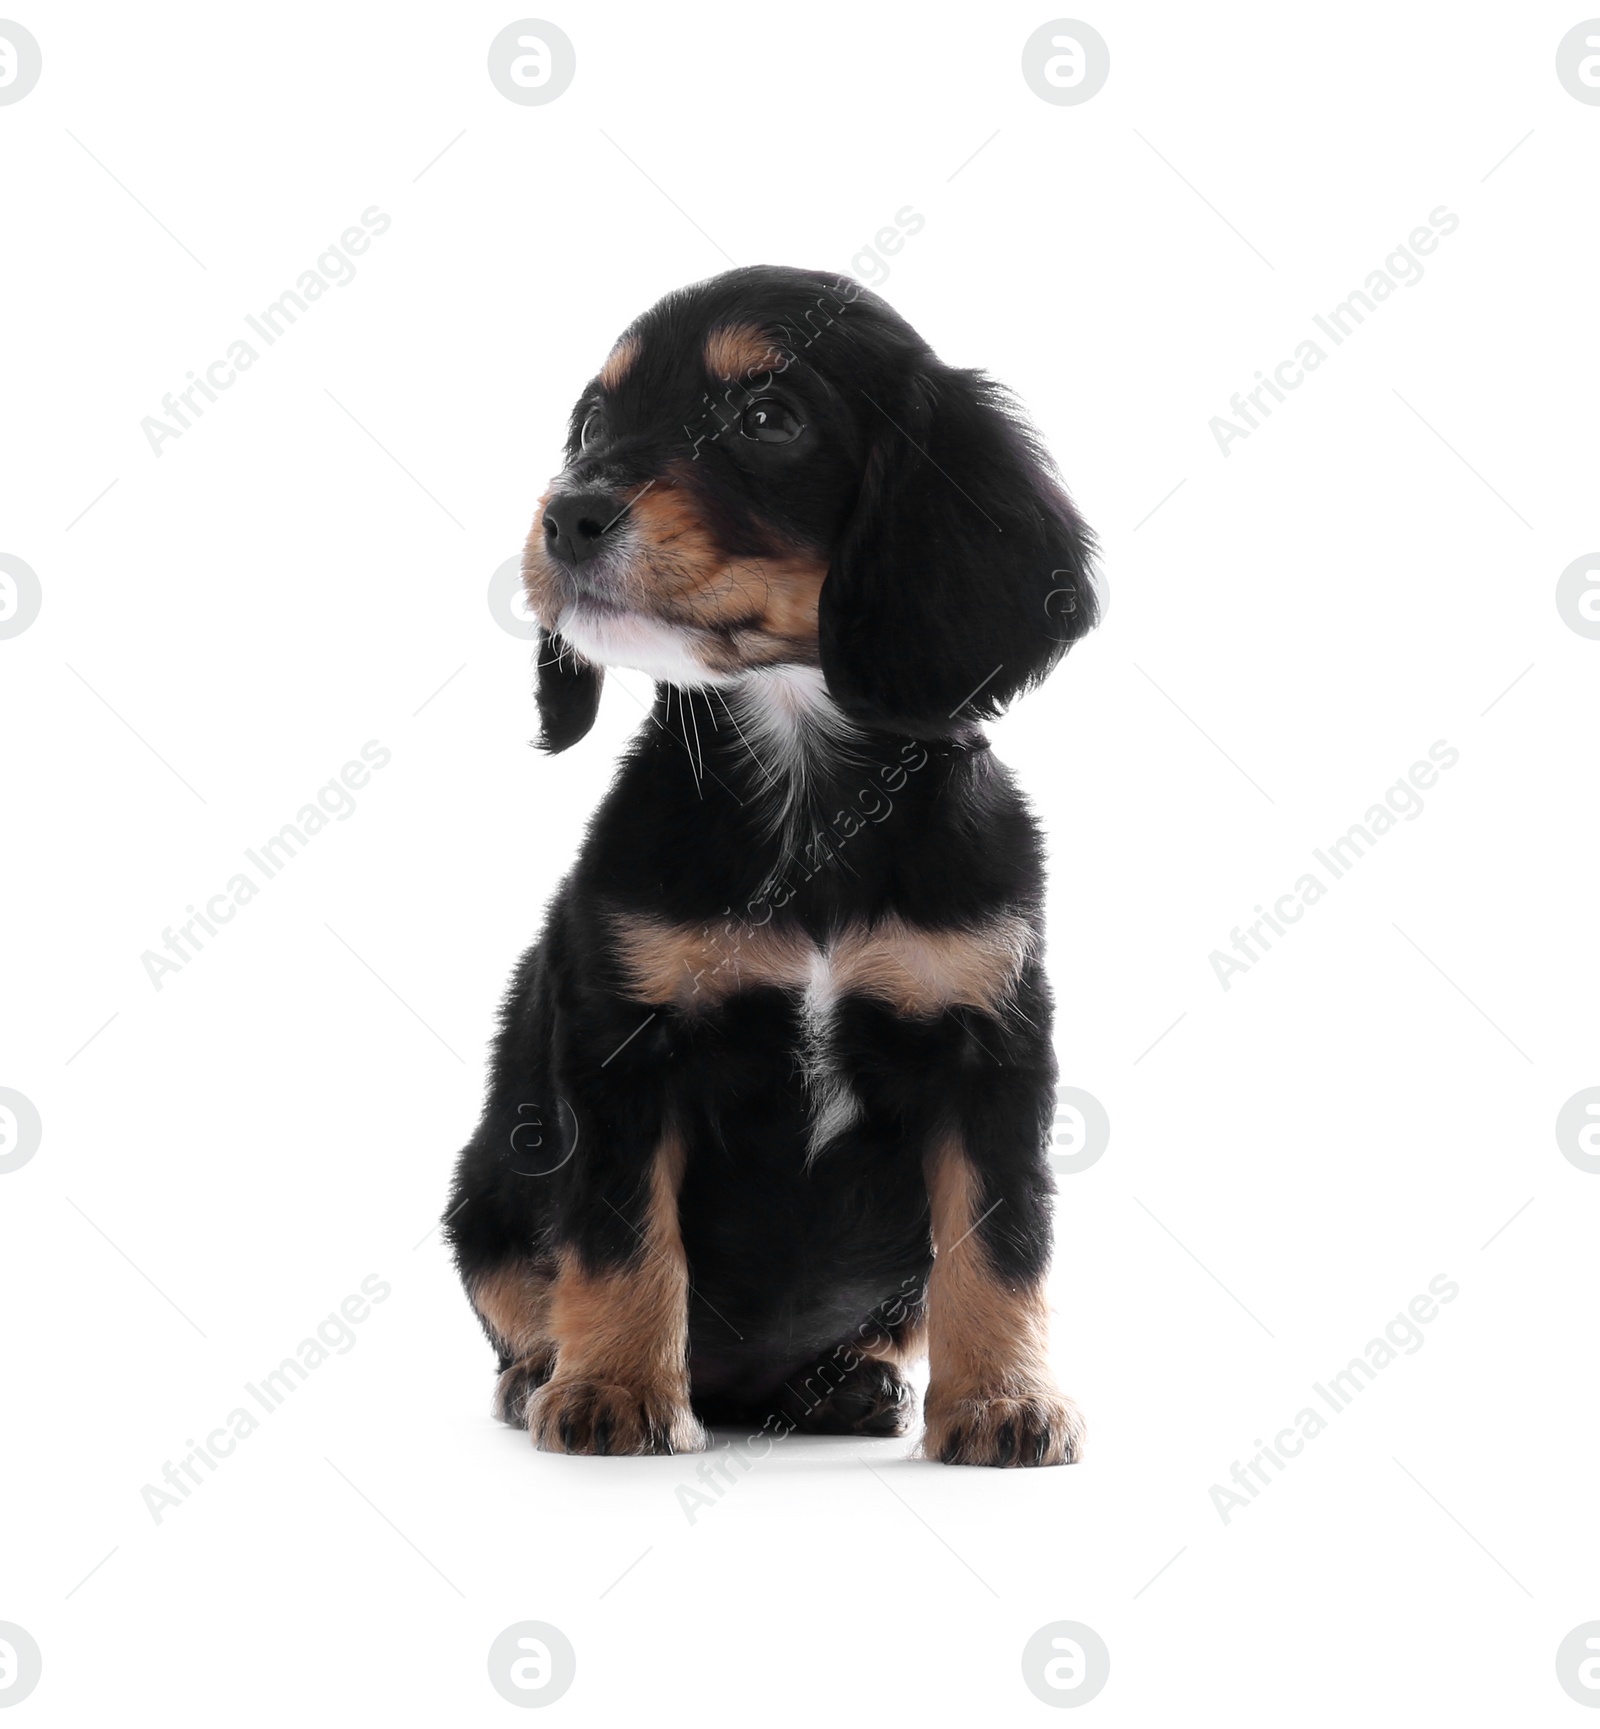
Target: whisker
x=684 y=740
x=771 y=778
x=693 y=722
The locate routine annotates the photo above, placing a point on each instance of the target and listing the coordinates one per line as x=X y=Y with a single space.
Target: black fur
x=957 y=575
x=569 y=694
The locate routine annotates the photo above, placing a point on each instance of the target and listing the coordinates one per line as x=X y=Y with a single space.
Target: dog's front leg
x=619 y=1321
x=991 y=1397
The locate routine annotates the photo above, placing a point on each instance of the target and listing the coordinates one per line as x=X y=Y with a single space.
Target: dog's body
x=770 y=1098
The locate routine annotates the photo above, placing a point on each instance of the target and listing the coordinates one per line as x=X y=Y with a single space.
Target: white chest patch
x=834 y=1105
x=794 y=732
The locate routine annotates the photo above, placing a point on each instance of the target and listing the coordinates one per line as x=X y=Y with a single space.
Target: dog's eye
x=769 y=422
x=592 y=427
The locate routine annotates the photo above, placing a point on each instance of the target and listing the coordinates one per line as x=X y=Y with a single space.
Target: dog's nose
x=575 y=525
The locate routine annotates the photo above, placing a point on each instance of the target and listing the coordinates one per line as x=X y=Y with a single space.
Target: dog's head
x=772 y=468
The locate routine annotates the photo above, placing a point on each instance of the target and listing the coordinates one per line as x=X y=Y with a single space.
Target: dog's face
x=707 y=479
x=771 y=468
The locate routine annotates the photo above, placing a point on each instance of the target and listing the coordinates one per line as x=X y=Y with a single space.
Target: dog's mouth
x=603 y=585
x=655 y=588
x=607 y=633
x=607 y=591
x=585 y=603
x=608 y=608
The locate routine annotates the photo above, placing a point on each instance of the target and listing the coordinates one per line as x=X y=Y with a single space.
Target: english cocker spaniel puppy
x=772 y=1091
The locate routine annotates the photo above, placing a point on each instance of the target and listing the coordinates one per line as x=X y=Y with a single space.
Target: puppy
x=770 y=1098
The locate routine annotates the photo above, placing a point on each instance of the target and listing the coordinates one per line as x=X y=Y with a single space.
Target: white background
x=1289 y=1165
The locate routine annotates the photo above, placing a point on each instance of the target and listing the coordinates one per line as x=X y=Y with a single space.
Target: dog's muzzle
x=578 y=526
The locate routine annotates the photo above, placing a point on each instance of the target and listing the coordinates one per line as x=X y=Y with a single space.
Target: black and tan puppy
x=772 y=1090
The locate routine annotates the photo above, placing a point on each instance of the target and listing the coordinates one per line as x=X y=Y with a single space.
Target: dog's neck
x=774 y=740
x=795 y=791
x=791 y=727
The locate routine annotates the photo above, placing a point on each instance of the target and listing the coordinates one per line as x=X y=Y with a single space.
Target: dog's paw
x=592 y=1417
x=871 y=1398
x=1040 y=1427
x=517 y=1386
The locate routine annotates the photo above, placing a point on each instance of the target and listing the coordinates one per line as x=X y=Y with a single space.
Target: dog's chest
x=917 y=970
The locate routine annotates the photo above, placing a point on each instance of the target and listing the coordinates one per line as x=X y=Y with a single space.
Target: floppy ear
x=568 y=690
x=964 y=574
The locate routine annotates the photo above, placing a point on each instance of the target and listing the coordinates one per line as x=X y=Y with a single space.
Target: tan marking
x=757 y=609
x=514 y=1303
x=698 y=965
x=922 y=971
x=683 y=562
x=988 y=1340
x=900 y=1346
x=737 y=350
x=782 y=629
x=916 y=971
x=743 y=612
x=902 y=1352
x=540 y=579
x=622 y=1340
x=619 y=362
